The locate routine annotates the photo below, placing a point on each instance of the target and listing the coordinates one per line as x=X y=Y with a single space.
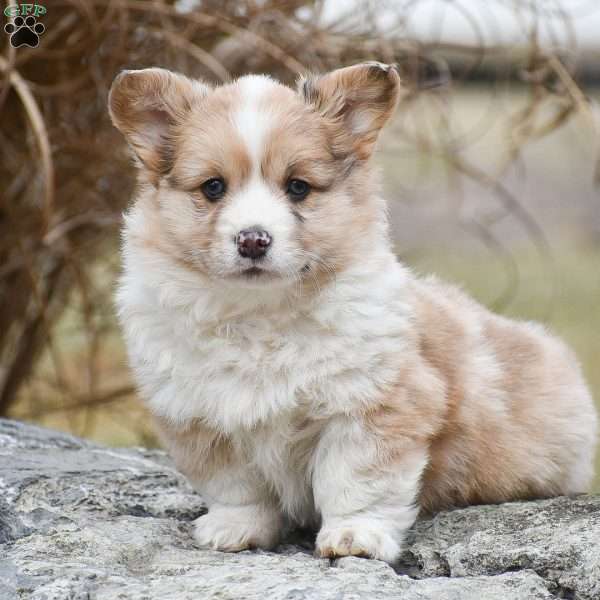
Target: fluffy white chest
x=257 y=376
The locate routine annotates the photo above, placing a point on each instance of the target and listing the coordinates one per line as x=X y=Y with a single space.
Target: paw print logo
x=24 y=32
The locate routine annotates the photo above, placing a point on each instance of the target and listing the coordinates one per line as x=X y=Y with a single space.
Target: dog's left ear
x=358 y=100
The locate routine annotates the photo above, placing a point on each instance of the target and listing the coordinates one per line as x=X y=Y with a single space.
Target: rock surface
x=80 y=521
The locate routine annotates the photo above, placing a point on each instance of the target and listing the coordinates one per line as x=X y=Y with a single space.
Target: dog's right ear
x=357 y=100
x=146 y=105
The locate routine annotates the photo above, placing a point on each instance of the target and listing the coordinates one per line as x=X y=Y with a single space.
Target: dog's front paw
x=236 y=528
x=357 y=539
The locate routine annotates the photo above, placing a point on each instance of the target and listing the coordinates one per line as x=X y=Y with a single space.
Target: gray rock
x=80 y=521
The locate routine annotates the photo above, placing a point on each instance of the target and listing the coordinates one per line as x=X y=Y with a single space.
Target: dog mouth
x=254 y=272
x=258 y=273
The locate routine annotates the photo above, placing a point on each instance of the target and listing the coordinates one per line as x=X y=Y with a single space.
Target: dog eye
x=213 y=189
x=297 y=189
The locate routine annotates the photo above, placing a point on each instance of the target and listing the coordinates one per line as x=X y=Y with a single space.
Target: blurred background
x=491 y=167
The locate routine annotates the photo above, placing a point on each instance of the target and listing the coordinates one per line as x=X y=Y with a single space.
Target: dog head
x=255 y=183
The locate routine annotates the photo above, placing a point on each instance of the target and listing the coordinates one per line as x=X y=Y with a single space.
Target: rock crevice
x=81 y=521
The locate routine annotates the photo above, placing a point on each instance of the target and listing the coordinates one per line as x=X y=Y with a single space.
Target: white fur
x=253 y=363
x=237 y=528
x=185 y=334
x=324 y=357
x=256 y=205
x=362 y=515
x=252 y=123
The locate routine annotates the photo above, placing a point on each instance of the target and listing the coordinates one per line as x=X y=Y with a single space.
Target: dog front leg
x=242 y=513
x=365 y=490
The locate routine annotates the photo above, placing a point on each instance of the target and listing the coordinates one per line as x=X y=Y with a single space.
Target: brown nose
x=253 y=242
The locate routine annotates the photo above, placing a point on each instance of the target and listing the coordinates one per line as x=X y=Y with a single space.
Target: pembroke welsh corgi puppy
x=299 y=374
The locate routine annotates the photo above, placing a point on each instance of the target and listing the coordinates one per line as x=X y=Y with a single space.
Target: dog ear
x=146 y=105
x=358 y=100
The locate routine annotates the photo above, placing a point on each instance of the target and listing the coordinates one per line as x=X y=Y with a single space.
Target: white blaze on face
x=253 y=120
x=258 y=203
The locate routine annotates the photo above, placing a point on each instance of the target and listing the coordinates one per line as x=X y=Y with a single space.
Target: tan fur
x=349 y=390
x=201 y=142
x=198 y=451
x=337 y=94
x=145 y=107
x=475 y=459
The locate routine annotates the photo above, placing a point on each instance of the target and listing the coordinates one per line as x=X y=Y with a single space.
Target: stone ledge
x=78 y=520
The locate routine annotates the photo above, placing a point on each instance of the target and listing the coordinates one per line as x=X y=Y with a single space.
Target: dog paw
x=233 y=529
x=356 y=540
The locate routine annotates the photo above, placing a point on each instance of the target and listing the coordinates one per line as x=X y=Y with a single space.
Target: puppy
x=298 y=373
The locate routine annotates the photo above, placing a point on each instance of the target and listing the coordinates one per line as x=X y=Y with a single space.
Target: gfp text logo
x=22 y=10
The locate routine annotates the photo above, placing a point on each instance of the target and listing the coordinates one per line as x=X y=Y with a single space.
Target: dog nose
x=253 y=242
